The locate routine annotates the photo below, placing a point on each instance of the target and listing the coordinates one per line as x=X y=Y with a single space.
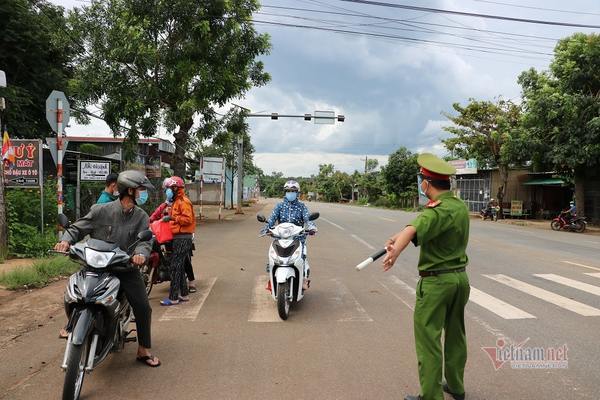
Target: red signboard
x=26 y=170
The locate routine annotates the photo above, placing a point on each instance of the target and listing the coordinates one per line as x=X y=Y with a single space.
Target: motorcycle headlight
x=98 y=259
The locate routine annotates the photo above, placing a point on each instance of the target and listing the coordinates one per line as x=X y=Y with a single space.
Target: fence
x=474 y=192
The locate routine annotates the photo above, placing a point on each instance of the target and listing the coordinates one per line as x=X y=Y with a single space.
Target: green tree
x=400 y=174
x=36 y=56
x=167 y=64
x=562 y=109
x=488 y=132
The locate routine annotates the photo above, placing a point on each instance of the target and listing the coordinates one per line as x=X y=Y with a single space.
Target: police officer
x=442 y=231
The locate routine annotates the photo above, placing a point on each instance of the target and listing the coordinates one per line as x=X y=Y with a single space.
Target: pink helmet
x=173 y=181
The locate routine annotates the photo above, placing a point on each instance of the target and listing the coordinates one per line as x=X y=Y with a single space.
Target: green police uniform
x=442 y=231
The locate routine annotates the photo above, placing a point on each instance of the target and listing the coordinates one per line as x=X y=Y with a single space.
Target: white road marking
x=561 y=301
x=393 y=279
x=263 y=307
x=189 y=310
x=586 y=287
x=581 y=265
x=354 y=212
x=497 y=306
x=332 y=223
x=387 y=219
x=345 y=300
x=363 y=242
x=594 y=274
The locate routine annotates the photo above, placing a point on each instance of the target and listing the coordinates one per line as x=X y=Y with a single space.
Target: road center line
x=387 y=219
x=363 y=242
x=586 y=287
x=542 y=294
x=332 y=223
x=190 y=310
x=581 y=265
x=352 y=309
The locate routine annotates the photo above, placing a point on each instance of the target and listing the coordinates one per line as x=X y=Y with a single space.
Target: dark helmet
x=132 y=179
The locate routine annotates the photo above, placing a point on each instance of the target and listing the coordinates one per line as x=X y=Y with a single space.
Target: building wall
x=515 y=190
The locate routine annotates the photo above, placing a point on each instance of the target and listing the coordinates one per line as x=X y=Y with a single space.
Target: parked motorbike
x=98 y=312
x=286 y=263
x=576 y=224
x=157 y=268
x=490 y=212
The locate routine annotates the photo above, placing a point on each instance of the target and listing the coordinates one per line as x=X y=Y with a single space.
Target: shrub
x=39 y=274
x=26 y=241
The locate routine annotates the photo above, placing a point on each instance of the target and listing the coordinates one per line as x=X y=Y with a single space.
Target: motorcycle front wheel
x=76 y=363
x=555 y=225
x=283 y=300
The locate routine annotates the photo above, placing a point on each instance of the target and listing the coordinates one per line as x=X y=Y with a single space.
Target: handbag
x=162 y=231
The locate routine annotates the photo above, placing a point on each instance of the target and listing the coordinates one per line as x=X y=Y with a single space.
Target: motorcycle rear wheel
x=579 y=227
x=283 y=300
x=76 y=363
x=555 y=225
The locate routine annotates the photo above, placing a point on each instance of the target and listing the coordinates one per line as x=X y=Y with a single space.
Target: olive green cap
x=435 y=164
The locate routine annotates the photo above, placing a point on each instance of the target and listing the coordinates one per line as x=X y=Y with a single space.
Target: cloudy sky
x=392 y=87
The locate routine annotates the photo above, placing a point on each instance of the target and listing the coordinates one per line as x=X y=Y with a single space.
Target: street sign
x=51 y=142
x=25 y=172
x=211 y=169
x=51 y=107
x=324 y=117
x=94 y=170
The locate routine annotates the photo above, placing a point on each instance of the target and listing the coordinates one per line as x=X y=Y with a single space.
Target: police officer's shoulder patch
x=433 y=204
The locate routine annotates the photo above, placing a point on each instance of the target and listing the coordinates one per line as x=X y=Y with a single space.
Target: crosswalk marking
x=561 y=301
x=594 y=274
x=497 y=306
x=345 y=300
x=581 y=265
x=190 y=310
x=263 y=308
x=586 y=287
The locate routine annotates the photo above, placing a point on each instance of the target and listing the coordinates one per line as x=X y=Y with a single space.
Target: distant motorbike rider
x=293 y=211
x=120 y=222
x=489 y=209
x=570 y=213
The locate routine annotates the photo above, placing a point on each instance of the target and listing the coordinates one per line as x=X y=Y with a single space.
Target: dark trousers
x=180 y=256
x=189 y=270
x=133 y=286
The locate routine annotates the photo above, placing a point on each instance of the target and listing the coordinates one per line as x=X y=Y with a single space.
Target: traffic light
x=341 y=118
x=274 y=116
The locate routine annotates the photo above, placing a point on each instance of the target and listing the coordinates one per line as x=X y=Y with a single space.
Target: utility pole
x=240 y=173
x=3 y=224
x=366 y=162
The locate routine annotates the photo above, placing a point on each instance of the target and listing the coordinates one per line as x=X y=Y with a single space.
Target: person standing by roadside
x=442 y=231
x=110 y=192
x=183 y=225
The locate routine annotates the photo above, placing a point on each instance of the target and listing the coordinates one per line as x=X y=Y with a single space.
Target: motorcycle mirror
x=314 y=216
x=261 y=218
x=63 y=221
x=144 y=236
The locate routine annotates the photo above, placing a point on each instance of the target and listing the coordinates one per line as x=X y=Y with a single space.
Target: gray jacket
x=110 y=223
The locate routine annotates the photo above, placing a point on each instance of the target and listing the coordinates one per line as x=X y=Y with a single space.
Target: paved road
x=351 y=337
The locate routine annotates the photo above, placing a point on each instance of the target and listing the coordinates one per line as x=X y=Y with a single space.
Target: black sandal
x=144 y=359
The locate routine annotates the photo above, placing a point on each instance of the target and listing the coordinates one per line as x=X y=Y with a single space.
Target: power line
x=469 y=14
x=483 y=49
x=412 y=21
x=537 y=8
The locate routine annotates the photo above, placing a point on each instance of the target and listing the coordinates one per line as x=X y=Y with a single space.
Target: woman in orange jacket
x=183 y=225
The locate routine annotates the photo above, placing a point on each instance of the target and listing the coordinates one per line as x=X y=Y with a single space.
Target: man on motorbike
x=570 y=213
x=293 y=211
x=120 y=222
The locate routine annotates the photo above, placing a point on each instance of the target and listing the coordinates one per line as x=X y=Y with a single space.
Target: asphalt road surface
x=351 y=337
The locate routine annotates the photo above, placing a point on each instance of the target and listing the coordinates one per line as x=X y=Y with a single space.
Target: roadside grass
x=39 y=274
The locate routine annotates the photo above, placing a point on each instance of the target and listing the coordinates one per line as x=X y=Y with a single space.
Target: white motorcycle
x=287 y=258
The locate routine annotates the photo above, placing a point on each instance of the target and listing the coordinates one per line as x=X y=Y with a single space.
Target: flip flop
x=169 y=302
x=183 y=299
x=144 y=360
x=192 y=289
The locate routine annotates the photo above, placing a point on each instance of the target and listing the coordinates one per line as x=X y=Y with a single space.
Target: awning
x=545 y=182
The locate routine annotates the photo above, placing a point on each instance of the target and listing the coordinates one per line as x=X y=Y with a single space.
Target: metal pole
x=59 y=151
x=3 y=216
x=41 y=175
x=201 y=185
x=240 y=174
x=222 y=195
x=78 y=193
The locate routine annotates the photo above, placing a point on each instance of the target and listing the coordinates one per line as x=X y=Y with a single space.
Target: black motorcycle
x=490 y=212
x=98 y=312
